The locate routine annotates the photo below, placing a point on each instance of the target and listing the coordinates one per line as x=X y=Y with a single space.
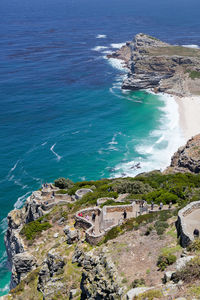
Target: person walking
x=161 y=206
x=152 y=205
x=125 y=214
x=93 y=217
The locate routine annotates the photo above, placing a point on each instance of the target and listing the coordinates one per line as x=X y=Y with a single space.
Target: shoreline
x=189 y=112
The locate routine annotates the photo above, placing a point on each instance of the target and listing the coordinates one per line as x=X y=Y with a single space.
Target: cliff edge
x=157 y=65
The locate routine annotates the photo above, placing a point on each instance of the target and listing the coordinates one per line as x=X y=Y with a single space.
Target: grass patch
x=149 y=295
x=34 y=228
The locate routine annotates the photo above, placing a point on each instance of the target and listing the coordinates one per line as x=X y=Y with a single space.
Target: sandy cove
x=189 y=114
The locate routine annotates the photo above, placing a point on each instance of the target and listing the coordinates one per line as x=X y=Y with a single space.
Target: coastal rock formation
x=156 y=65
x=100 y=280
x=23 y=263
x=187 y=158
x=49 y=279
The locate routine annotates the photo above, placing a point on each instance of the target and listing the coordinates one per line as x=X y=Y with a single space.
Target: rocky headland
x=157 y=65
x=57 y=249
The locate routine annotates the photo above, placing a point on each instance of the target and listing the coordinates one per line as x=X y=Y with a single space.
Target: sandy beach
x=189 y=111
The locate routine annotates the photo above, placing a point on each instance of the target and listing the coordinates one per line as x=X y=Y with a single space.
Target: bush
x=131 y=187
x=32 y=229
x=165 y=260
x=160 y=227
x=190 y=272
x=61 y=192
x=63 y=183
x=112 y=234
x=194 y=246
x=138 y=282
x=150 y=295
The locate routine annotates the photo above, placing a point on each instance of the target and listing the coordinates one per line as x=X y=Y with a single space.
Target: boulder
x=71 y=233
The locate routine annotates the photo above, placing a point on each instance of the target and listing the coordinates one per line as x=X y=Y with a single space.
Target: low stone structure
x=81 y=192
x=184 y=225
x=106 y=219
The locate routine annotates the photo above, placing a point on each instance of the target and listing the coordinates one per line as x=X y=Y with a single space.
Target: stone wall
x=185 y=236
x=105 y=224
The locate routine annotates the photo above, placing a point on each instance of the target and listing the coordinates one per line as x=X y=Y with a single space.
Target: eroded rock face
x=156 y=65
x=100 y=280
x=50 y=275
x=22 y=264
x=187 y=158
x=13 y=241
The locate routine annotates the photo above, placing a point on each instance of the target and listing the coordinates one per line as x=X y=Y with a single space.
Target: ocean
x=62 y=110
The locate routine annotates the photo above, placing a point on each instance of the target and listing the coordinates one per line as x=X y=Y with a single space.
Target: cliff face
x=21 y=263
x=187 y=158
x=162 y=67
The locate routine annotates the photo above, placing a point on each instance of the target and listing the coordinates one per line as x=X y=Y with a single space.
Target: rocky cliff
x=187 y=158
x=162 y=67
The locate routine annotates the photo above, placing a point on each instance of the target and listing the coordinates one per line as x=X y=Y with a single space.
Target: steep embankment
x=187 y=158
x=160 y=66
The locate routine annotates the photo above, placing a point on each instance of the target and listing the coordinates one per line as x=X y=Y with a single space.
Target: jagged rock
x=48 y=282
x=23 y=263
x=187 y=158
x=168 y=276
x=99 y=280
x=71 y=233
x=136 y=292
x=156 y=65
x=181 y=262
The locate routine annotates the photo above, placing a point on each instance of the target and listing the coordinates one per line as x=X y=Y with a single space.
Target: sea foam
x=101 y=36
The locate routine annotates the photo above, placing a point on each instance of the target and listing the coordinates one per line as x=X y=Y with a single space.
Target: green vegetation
x=112 y=202
x=177 y=188
x=158 y=217
x=149 y=295
x=34 y=228
x=165 y=260
x=194 y=74
x=138 y=282
x=194 y=246
x=61 y=192
x=174 y=50
x=130 y=186
x=190 y=272
x=63 y=183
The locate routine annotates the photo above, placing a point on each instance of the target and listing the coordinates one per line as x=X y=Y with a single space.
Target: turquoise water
x=62 y=110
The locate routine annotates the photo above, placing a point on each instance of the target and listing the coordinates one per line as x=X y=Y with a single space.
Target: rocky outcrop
x=100 y=279
x=124 y=53
x=156 y=65
x=187 y=158
x=50 y=275
x=22 y=264
x=14 y=242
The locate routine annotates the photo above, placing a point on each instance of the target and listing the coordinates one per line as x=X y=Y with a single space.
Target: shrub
x=61 y=192
x=132 y=187
x=160 y=227
x=150 y=295
x=190 y=272
x=32 y=229
x=194 y=246
x=165 y=260
x=112 y=234
x=63 y=183
x=138 y=282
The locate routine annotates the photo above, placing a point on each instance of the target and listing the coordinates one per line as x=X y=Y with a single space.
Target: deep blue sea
x=62 y=110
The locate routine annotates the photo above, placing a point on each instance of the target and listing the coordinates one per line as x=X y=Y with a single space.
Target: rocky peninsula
x=112 y=238
x=164 y=68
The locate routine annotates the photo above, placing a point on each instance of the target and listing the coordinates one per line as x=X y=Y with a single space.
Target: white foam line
x=99 y=48
x=191 y=46
x=20 y=200
x=5 y=288
x=56 y=154
x=101 y=36
x=159 y=146
x=117 y=46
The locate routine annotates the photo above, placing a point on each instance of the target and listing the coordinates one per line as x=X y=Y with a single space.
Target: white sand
x=189 y=111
